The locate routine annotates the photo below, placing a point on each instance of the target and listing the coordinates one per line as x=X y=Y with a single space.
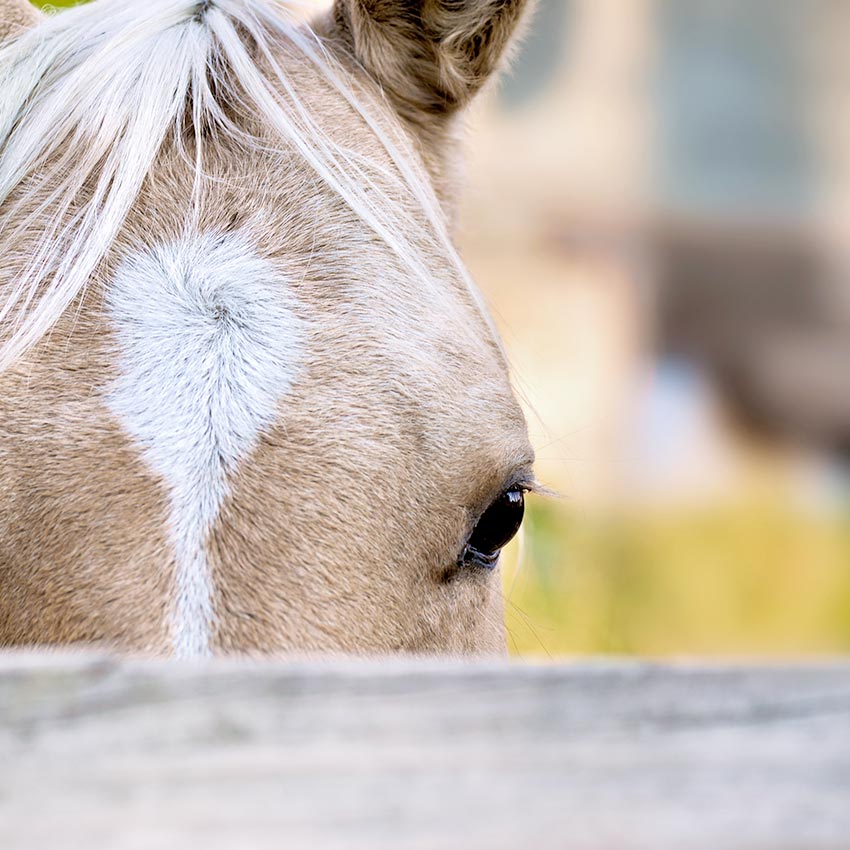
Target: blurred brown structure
x=750 y=181
x=679 y=181
x=759 y=306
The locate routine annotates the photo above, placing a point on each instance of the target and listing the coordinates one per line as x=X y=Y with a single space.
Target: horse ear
x=430 y=56
x=15 y=17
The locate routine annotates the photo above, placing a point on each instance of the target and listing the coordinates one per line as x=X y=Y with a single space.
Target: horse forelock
x=90 y=97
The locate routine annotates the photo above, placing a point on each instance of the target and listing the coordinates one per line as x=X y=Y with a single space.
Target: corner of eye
x=532 y=485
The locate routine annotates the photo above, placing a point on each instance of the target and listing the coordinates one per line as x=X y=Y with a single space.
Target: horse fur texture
x=250 y=400
x=15 y=17
x=430 y=56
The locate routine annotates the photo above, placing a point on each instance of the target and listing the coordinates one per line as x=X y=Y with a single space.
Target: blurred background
x=658 y=211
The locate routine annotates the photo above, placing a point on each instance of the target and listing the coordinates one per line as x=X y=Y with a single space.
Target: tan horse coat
x=342 y=514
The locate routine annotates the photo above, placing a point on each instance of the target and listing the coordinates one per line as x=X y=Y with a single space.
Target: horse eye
x=496 y=528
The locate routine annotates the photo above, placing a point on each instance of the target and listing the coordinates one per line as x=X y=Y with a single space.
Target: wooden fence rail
x=98 y=753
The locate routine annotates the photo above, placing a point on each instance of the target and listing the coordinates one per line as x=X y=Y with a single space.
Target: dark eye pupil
x=498 y=525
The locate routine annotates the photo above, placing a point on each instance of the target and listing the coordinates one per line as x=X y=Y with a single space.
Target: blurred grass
x=740 y=579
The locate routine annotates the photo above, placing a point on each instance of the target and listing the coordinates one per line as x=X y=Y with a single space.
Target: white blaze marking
x=208 y=345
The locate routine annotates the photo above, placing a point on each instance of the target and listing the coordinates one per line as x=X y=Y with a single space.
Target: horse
x=250 y=400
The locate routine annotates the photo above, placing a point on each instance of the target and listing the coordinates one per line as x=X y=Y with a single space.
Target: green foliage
x=742 y=579
x=57 y=4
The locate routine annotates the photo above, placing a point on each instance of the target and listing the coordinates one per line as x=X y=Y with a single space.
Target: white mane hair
x=89 y=96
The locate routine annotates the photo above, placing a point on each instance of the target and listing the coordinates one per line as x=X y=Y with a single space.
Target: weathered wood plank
x=98 y=753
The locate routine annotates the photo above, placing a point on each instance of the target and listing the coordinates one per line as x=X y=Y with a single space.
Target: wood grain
x=138 y=755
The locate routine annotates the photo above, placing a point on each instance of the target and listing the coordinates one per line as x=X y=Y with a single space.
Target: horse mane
x=89 y=97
